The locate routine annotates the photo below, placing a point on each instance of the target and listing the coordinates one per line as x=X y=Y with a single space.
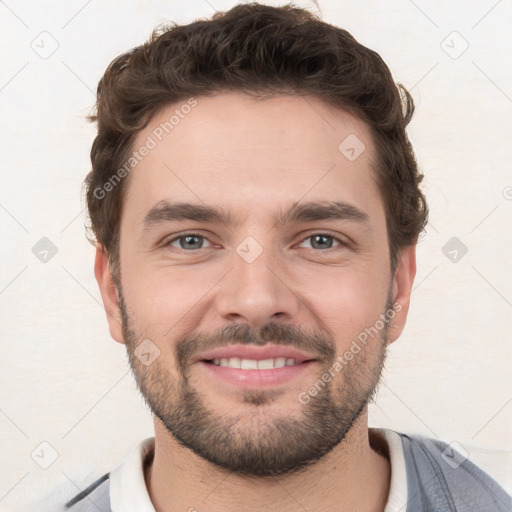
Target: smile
x=254 y=364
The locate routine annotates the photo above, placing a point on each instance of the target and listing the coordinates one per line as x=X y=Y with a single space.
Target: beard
x=256 y=442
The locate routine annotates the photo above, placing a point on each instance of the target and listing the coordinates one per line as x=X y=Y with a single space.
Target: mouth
x=255 y=364
x=251 y=367
x=248 y=357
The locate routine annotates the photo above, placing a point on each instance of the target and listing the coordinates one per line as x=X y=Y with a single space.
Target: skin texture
x=218 y=447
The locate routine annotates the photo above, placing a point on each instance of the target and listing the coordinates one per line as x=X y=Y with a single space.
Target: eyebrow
x=164 y=211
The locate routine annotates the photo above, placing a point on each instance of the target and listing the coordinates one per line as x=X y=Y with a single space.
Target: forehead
x=251 y=153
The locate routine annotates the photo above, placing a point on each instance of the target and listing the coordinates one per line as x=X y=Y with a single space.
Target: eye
x=323 y=241
x=188 y=241
x=191 y=242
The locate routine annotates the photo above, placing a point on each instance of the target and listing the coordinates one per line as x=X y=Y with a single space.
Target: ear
x=109 y=295
x=402 y=287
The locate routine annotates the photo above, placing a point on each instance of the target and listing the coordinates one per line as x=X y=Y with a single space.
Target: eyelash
x=341 y=242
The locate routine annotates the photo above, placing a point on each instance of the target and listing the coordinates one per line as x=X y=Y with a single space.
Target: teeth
x=266 y=364
x=248 y=364
x=279 y=362
x=253 y=364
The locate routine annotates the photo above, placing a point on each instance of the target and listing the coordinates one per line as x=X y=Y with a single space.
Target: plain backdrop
x=69 y=407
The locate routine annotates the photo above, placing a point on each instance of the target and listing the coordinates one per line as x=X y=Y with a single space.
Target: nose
x=258 y=290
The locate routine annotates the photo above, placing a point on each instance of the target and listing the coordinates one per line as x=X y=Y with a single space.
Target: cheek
x=345 y=300
x=161 y=298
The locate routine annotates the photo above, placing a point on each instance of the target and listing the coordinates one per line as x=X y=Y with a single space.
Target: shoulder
x=95 y=497
x=65 y=496
x=441 y=475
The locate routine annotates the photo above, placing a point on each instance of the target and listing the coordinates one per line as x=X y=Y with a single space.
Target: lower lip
x=256 y=378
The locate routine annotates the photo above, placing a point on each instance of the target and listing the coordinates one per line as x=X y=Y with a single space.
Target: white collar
x=128 y=492
x=397 y=498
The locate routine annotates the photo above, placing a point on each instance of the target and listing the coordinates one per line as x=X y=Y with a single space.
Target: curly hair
x=264 y=51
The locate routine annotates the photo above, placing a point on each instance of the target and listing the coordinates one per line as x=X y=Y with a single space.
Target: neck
x=353 y=476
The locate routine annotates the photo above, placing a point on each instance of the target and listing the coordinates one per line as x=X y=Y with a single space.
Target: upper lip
x=256 y=352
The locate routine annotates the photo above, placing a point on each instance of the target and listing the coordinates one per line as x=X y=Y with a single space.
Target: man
x=256 y=206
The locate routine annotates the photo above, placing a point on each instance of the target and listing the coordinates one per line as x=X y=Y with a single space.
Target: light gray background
x=65 y=383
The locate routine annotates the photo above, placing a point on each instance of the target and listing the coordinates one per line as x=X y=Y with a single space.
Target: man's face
x=305 y=285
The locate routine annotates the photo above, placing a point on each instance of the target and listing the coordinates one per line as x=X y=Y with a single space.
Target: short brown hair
x=259 y=50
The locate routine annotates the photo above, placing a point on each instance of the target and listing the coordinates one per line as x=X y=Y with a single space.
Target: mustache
x=278 y=334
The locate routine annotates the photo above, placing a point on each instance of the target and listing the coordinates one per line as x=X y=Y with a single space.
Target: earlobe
x=109 y=294
x=403 y=280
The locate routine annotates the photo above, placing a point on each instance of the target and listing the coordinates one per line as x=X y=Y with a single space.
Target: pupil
x=189 y=238
x=322 y=237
